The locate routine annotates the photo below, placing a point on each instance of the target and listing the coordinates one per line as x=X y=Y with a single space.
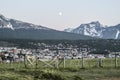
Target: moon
x=60 y=13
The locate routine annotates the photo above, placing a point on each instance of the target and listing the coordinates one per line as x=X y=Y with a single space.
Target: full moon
x=60 y=13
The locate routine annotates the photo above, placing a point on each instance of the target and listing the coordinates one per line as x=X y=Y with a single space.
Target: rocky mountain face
x=95 y=29
x=15 y=29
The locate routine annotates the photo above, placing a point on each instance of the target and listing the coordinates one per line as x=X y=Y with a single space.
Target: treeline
x=95 y=44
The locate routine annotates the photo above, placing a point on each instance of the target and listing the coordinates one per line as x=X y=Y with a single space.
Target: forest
x=96 y=45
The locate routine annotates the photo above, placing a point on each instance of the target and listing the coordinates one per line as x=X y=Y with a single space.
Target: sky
x=62 y=14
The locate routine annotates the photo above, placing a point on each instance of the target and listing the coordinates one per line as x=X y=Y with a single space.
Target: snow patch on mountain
x=117 y=34
x=4 y=23
x=9 y=26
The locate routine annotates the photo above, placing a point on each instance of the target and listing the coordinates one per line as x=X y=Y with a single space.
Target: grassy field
x=72 y=71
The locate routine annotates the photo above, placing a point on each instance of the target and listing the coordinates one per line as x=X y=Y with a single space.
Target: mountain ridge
x=15 y=29
x=96 y=29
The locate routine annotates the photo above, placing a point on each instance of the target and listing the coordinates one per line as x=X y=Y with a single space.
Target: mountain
x=96 y=29
x=112 y=32
x=68 y=29
x=15 y=29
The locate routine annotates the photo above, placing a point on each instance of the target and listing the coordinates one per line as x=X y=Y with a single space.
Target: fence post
x=64 y=62
x=115 y=60
x=100 y=62
x=56 y=63
x=25 y=60
x=82 y=61
x=36 y=62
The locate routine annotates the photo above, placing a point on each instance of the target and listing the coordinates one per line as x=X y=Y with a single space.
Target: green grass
x=72 y=71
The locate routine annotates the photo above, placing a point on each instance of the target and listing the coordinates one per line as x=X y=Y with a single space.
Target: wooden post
x=19 y=63
x=57 y=59
x=64 y=62
x=25 y=60
x=82 y=61
x=56 y=63
x=36 y=62
x=100 y=62
x=10 y=64
x=115 y=60
x=19 y=56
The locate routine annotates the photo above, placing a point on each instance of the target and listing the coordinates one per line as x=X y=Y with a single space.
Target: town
x=14 y=54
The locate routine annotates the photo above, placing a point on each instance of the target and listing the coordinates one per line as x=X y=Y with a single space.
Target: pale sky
x=62 y=14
